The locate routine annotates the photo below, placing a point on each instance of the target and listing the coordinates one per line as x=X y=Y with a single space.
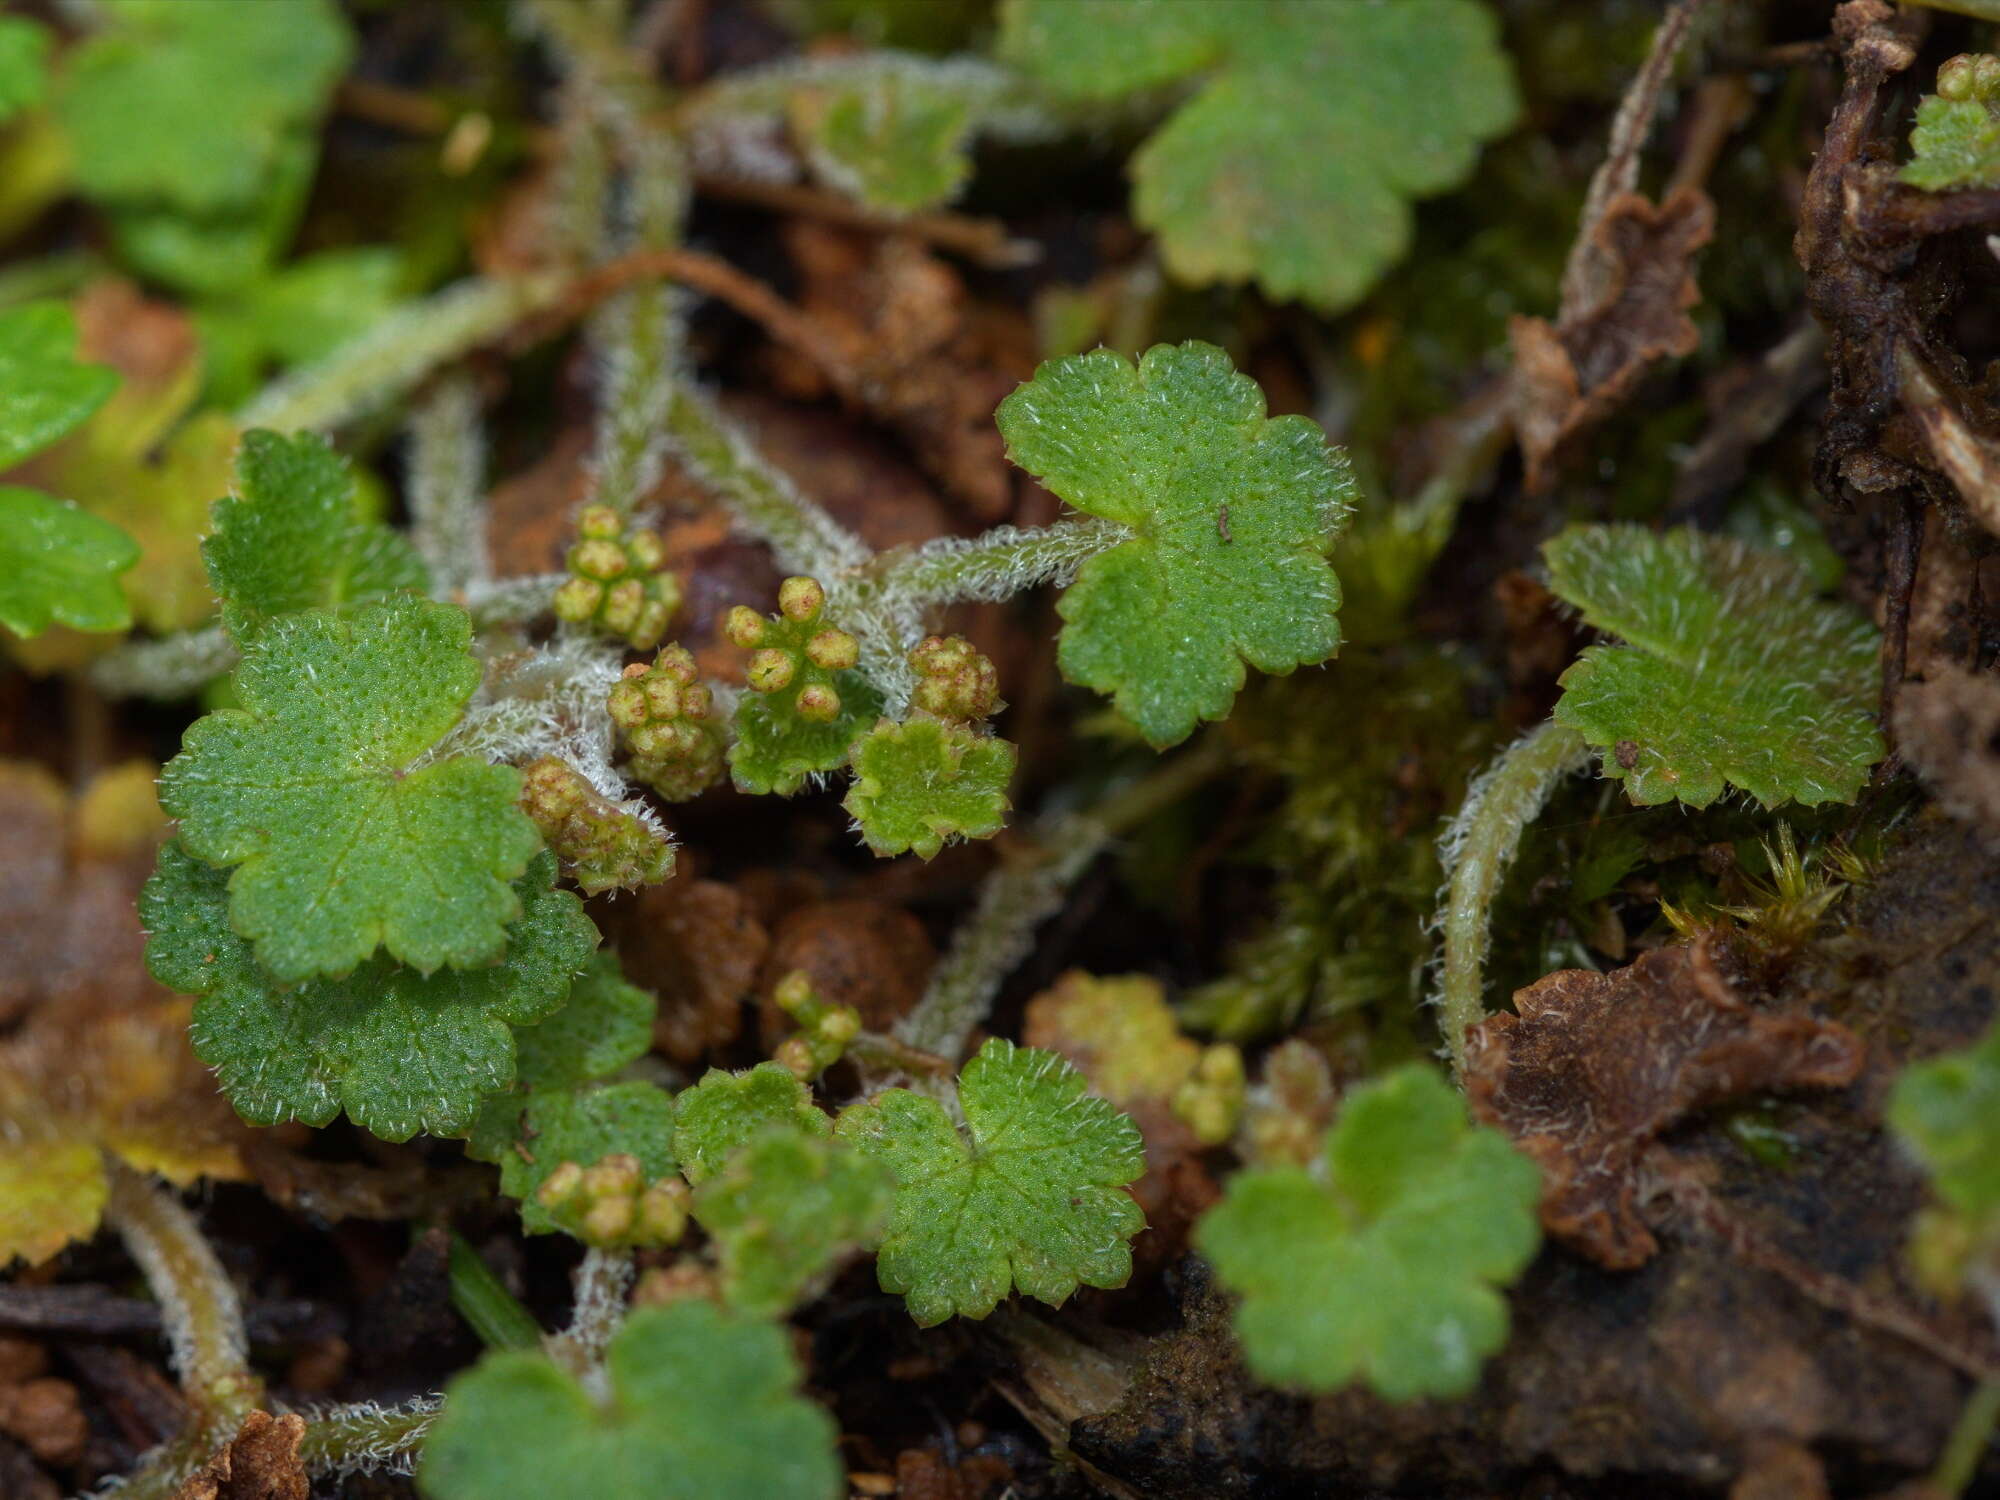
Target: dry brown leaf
x=100 y=1059
x=260 y=1463
x=1573 y=374
x=1595 y=1067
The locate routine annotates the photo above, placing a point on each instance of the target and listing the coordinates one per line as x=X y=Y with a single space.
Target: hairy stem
x=1025 y=892
x=447 y=472
x=602 y=1280
x=765 y=503
x=1477 y=849
x=377 y=366
x=512 y=601
x=172 y=667
x=364 y=1437
x=198 y=1304
x=203 y=1322
x=996 y=564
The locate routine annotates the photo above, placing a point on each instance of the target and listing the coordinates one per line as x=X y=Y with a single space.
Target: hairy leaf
x=605 y=1024
x=60 y=563
x=896 y=141
x=700 y=1404
x=919 y=784
x=1394 y=100
x=1379 y=1262
x=1029 y=1196
x=290 y=538
x=44 y=391
x=1233 y=514
x=1734 y=672
x=314 y=788
x=400 y=1051
x=190 y=101
x=726 y=1111
x=785 y=1210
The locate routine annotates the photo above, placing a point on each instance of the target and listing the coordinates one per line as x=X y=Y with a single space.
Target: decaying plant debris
x=1003 y=554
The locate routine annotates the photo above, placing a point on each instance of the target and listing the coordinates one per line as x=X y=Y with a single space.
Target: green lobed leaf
x=531 y=1135
x=1735 y=673
x=224 y=254
x=190 y=101
x=1233 y=515
x=1955 y=144
x=783 y=1212
x=1380 y=1262
x=1947 y=1111
x=44 y=391
x=399 y=1051
x=896 y=142
x=58 y=563
x=921 y=783
x=314 y=789
x=291 y=539
x=700 y=1404
x=1395 y=100
x=1029 y=1196
x=605 y=1024
x=24 y=66
x=726 y=1111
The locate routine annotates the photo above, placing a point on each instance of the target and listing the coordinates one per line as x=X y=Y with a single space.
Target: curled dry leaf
x=1595 y=1067
x=260 y=1463
x=1572 y=374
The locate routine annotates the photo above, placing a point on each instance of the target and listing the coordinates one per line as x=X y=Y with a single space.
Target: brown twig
x=984 y=242
x=1618 y=173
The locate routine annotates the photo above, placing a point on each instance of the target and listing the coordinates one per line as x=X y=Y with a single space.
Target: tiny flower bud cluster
x=824 y=1030
x=616 y=582
x=1970 y=75
x=790 y=657
x=611 y=1206
x=954 y=680
x=602 y=846
x=664 y=714
x=1211 y=1101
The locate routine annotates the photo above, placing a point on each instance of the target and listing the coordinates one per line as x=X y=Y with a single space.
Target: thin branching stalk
x=447 y=479
x=171 y=667
x=366 y=1438
x=1477 y=849
x=1025 y=892
x=381 y=364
